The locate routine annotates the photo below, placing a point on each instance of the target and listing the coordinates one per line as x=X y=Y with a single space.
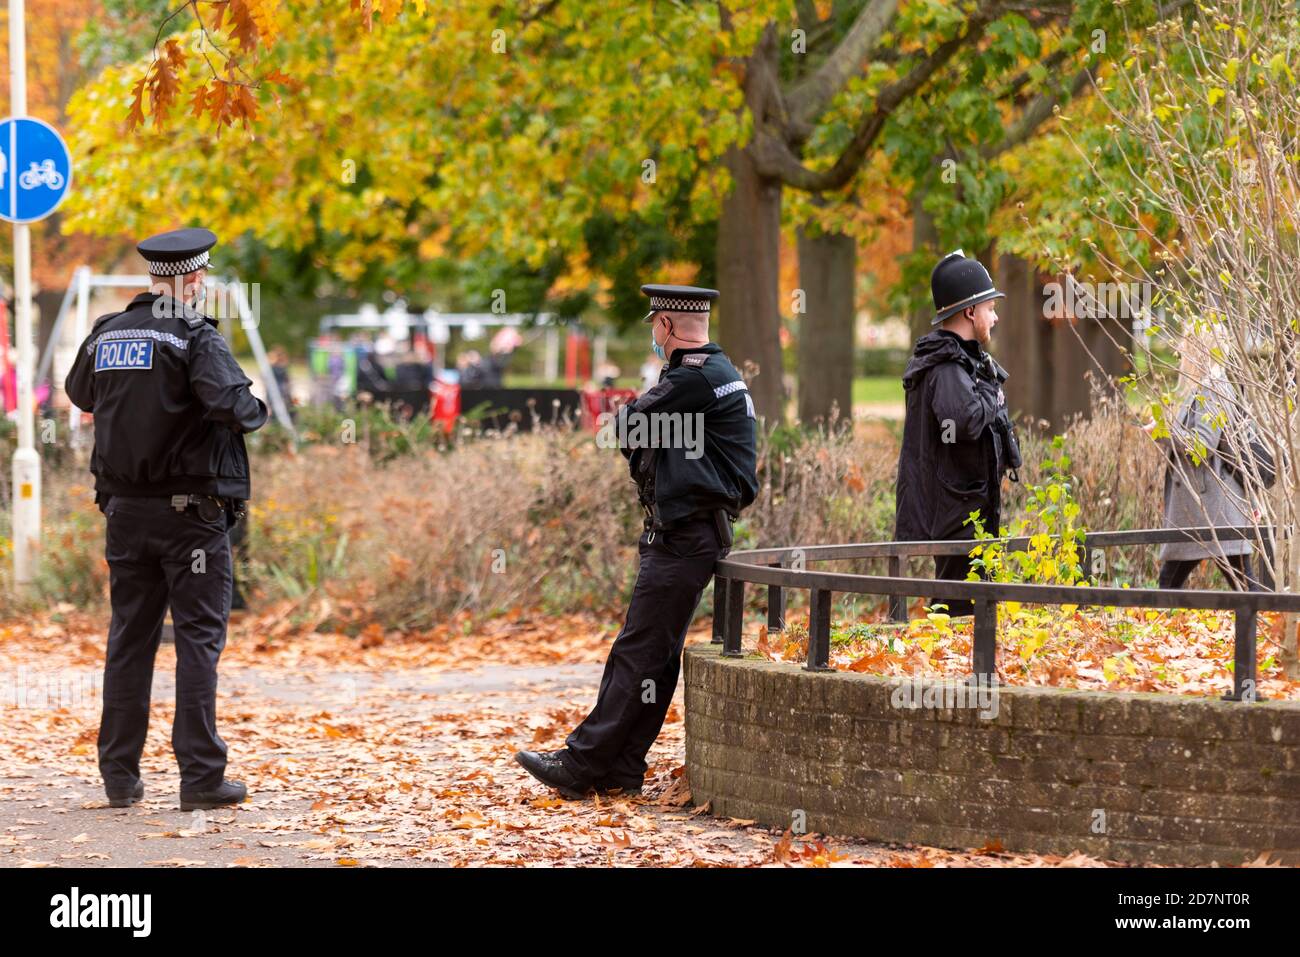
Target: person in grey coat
x=1200 y=491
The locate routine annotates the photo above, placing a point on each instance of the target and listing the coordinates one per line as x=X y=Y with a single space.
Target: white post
x=81 y=279
x=27 y=464
x=249 y=321
x=552 y=364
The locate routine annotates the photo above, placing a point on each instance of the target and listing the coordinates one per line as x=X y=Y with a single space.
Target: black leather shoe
x=227 y=792
x=547 y=767
x=125 y=800
x=626 y=789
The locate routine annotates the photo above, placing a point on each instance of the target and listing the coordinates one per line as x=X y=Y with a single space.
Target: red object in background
x=598 y=401
x=577 y=358
x=444 y=403
x=8 y=374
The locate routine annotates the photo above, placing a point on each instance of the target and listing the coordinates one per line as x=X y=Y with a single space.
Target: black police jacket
x=170 y=403
x=956 y=441
x=690 y=440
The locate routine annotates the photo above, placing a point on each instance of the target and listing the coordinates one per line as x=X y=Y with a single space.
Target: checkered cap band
x=679 y=305
x=180 y=267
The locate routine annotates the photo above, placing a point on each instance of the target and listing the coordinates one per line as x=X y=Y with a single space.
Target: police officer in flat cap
x=171 y=407
x=690 y=445
x=958 y=440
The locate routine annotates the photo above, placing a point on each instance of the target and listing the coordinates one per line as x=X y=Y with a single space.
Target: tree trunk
x=1100 y=355
x=749 y=233
x=925 y=237
x=1020 y=339
x=1289 y=659
x=827 y=275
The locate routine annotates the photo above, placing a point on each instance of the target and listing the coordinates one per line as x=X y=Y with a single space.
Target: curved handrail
x=781 y=568
x=1141 y=536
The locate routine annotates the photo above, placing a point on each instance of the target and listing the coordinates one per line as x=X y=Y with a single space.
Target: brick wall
x=1173 y=780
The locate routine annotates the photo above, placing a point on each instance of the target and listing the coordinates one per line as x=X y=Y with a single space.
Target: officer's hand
x=989 y=388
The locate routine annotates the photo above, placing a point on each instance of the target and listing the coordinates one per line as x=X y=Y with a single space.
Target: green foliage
x=886 y=361
x=889 y=638
x=374 y=427
x=122 y=30
x=784 y=441
x=68 y=572
x=303 y=564
x=390 y=160
x=1050 y=522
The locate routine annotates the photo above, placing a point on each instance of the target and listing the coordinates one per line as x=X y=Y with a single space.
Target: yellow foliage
x=373 y=129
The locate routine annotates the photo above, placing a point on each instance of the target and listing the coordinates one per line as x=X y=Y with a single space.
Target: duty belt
x=721 y=518
x=209 y=507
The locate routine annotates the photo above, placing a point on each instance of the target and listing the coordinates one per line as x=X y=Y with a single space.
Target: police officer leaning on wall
x=171 y=475
x=958 y=440
x=690 y=502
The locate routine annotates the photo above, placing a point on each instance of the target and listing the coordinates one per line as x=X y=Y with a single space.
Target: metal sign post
x=35 y=173
x=27 y=464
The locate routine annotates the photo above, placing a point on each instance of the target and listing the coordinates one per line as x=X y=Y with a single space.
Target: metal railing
x=775 y=568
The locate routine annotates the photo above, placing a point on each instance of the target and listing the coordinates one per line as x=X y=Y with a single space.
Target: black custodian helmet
x=957 y=282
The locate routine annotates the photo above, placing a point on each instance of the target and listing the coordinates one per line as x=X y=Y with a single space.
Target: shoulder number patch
x=695 y=359
x=112 y=354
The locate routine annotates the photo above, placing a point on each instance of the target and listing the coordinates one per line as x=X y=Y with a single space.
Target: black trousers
x=159 y=557
x=953 y=568
x=957 y=567
x=238 y=554
x=610 y=745
x=1234 y=568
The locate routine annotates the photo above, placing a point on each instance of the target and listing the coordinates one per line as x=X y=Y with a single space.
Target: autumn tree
x=930 y=128
x=411 y=149
x=57 y=65
x=459 y=129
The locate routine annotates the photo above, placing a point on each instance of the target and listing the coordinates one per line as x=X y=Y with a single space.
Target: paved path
x=51 y=816
x=362 y=763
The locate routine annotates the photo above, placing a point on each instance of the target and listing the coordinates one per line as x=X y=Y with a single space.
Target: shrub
x=409 y=526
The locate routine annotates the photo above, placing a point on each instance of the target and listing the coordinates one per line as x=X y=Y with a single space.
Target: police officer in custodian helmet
x=171 y=407
x=958 y=439
x=691 y=495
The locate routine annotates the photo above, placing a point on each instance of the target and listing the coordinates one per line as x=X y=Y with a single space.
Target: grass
x=521 y=381
x=877 y=390
x=867 y=390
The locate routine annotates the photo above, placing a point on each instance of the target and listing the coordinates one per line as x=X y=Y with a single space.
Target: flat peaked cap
x=177 y=252
x=678 y=298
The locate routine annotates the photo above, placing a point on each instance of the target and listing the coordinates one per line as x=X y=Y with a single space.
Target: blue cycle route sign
x=35 y=169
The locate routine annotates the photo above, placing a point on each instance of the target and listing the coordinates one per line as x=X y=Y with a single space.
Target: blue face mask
x=659 y=350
